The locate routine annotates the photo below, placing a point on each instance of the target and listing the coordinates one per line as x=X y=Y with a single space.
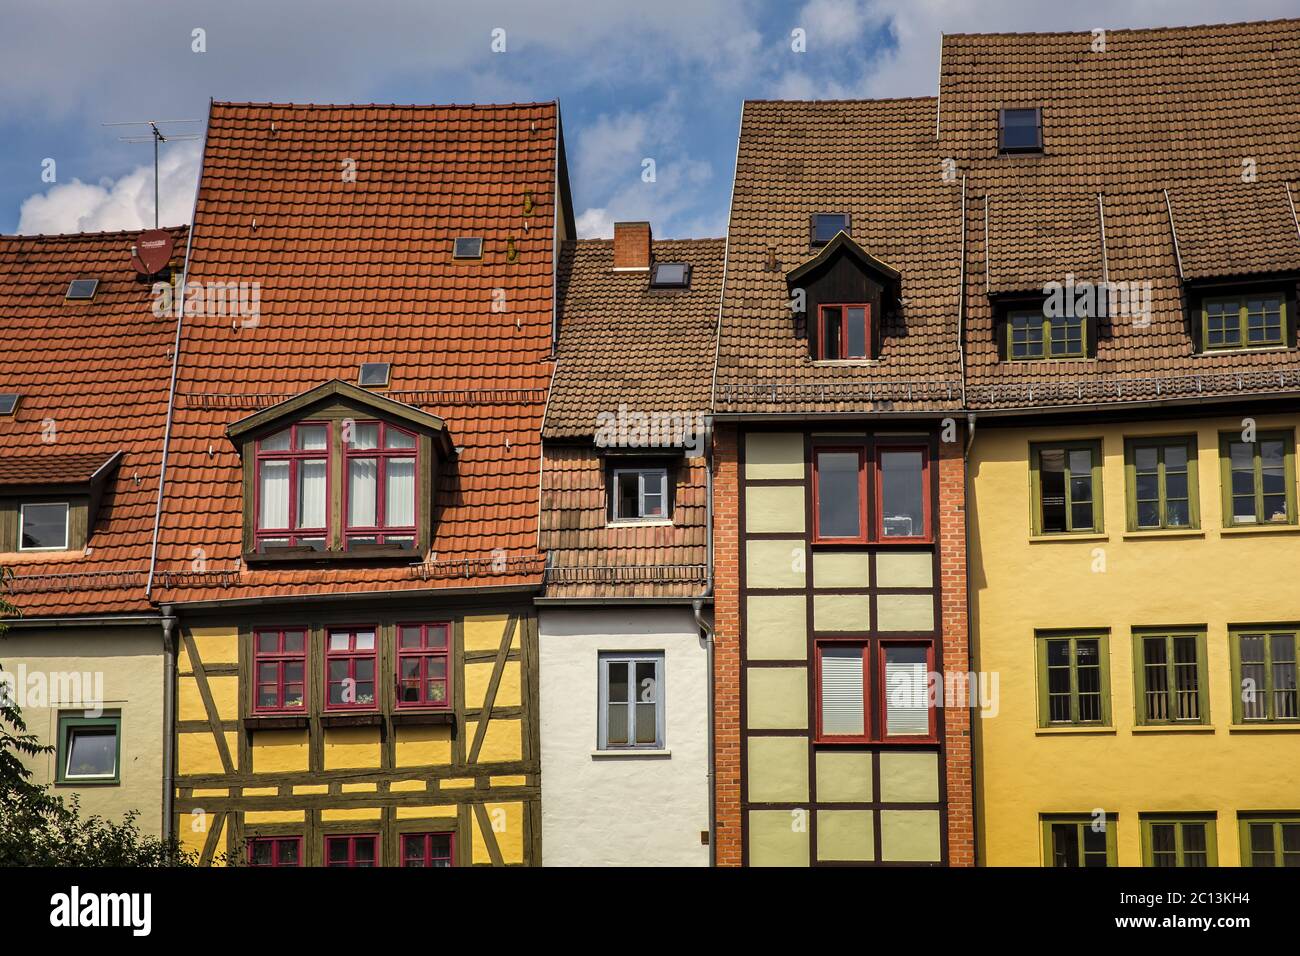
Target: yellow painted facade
x=1113 y=582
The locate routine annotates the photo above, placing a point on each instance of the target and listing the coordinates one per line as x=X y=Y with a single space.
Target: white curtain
x=361 y=492
x=273 y=494
x=399 y=493
x=311 y=494
x=842 y=708
x=906 y=692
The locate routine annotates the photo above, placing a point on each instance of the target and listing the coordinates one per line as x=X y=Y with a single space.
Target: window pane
x=1261 y=845
x=826 y=225
x=1058 y=681
x=395 y=438
x=277 y=442
x=839 y=508
x=365 y=435
x=1065 y=844
x=45 y=525
x=1290 y=844
x=1094 y=846
x=361 y=492
x=1195 y=851
x=311 y=493
x=832 y=330
x=901 y=493
x=646 y=691
x=1284 y=676
x=1254 y=676
x=856 y=332
x=1272 y=460
x=92 y=752
x=1026 y=335
x=627 y=500
x=617 y=682
x=399 y=493
x=1186 y=679
x=1155 y=674
x=336 y=851
x=616 y=725
x=261 y=853
x=1163 y=845
x=1051 y=489
x=646 y=732
x=409 y=637
x=1020 y=129
x=907 y=709
x=843 y=709
x=311 y=437
x=273 y=494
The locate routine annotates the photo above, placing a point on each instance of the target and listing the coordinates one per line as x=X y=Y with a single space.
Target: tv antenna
x=155 y=136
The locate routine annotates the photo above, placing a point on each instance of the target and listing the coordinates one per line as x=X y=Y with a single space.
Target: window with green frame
x=1031 y=334
x=89 y=749
x=1079 y=839
x=1258 y=478
x=1065 y=478
x=1179 y=840
x=1160 y=474
x=1073 y=679
x=1264 y=675
x=1243 y=322
x=1169 y=677
x=1270 y=839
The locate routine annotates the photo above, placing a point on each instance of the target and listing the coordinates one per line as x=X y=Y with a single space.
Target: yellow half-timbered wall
x=473 y=772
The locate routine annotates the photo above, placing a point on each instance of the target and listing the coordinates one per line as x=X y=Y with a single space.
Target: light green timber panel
x=774 y=508
x=905 y=612
x=904 y=569
x=774 y=455
x=843 y=776
x=776 y=627
x=909 y=836
x=778 y=838
x=846 y=835
x=841 y=612
x=777 y=698
x=909 y=777
x=775 y=564
x=778 y=769
x=841 y=569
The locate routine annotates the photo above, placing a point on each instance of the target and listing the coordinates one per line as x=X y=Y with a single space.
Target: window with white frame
x=43 y=526
x=631 y=701
x=640 y=494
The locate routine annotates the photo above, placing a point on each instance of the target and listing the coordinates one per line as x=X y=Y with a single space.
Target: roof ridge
x=860 y=99
x=1157 y=29
x=102 y=234
x=397 y=106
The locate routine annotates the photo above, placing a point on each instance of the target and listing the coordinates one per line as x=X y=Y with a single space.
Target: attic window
x=467 y=247
x=8 y=402
x=670 y=275
x=373 y=374
x=825 y=225
x=1020 y=130
x=82 y=289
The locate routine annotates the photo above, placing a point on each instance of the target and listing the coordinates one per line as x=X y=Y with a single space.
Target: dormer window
x=825 y=225
x=639 y=494
x=844 y=331
x=1031 y=335
x=380 y=493
x=1243 y=322
x=670 y=275
x=1020 y=130
x=293 y=487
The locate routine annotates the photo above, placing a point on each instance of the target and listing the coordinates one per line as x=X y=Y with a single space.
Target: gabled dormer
x=50 y=503
x=339 y=472
x=844 y=291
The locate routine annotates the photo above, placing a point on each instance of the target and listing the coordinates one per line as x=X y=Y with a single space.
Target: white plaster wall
x=623 y=810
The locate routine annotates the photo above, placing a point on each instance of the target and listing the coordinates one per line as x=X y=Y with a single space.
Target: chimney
x=632 y=246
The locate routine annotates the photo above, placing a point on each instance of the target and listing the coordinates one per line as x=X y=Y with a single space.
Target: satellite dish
x=152 y=251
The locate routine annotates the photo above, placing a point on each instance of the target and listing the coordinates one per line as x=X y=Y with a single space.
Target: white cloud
x=124 y=203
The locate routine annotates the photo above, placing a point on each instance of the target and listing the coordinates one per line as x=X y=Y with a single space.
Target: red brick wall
x=631 y=245
x=726 y=646
x=956 y=649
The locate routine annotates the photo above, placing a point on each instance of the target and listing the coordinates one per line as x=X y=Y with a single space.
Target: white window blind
x=361 y=492
x=399 y=493
x=843 y=711
x=311 y=493
x=906 y=692
x=273 y=494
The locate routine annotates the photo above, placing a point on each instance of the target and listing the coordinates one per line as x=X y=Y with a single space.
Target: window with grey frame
x=631 y=701
x=640 y=494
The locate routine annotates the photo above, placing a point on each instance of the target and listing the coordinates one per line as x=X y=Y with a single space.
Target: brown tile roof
x=876 y=160
x=590 y=558
x=93 y=377
x=354 y=271
x=1172 y=109
x=624 y=343
x=1034 y=239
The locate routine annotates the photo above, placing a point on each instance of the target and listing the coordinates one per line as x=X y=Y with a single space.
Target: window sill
x=415 y=717
x=845 y=363
x=1164 y=533
x=1292 y=727
x=635 y=523
x=1262 y=529
x=1068 y=731
x=88 y=783
x=1065 y=537
x=351 y=720
x=312 y=556
x=276 y=721
x=629 y=752
x=1173 y=729
x=1246 y=350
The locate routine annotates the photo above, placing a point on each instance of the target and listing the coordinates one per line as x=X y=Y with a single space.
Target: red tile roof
x=354 y=271
x=93 y=377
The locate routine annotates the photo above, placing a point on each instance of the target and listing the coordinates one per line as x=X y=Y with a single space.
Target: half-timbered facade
x=348 y=546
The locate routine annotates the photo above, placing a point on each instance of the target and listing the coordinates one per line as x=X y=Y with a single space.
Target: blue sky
x=659 y=79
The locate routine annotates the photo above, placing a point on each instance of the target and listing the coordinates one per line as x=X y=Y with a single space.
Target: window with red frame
x=275 y=851
x=280 y=663
x=844 y=331
x=862 y=702
x=350 y=850
x=422 y=655
x=902 y=479
x=351 y=657
x=899 y=478
x=427 y=849
x=381 y=472
x=292 y=487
